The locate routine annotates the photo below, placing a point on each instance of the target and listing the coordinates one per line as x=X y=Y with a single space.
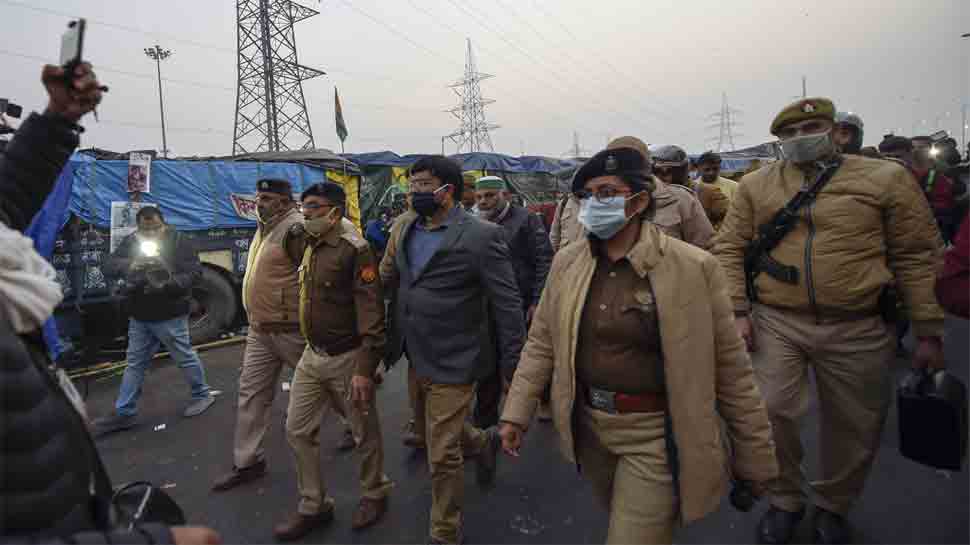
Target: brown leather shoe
x=299 y=525
x=238 y=476
x=369 y=511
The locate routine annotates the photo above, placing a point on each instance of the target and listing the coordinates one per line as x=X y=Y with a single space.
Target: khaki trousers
x=625 y=457
x=322 y=383
x=266 y=354
x=441 y=410
x=851 y=363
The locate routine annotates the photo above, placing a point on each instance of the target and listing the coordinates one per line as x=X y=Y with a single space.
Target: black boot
x=831 y=528
x=777 y=527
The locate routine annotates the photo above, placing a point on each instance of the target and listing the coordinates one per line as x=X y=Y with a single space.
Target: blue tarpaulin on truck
x=194 y=195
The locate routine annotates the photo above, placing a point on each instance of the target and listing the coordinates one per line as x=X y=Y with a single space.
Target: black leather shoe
x=239 y=476
x=777 y=527
x=831 y=528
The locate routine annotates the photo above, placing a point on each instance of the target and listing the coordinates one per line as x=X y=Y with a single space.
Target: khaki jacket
x=341 y=301
x=870 y=226
x=677 y=212
x=271 y=286
x=706 y=366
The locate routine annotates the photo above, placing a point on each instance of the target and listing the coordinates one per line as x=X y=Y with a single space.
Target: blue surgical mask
x=604 y=219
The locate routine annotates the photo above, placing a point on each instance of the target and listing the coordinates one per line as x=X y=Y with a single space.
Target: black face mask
x=425 y=202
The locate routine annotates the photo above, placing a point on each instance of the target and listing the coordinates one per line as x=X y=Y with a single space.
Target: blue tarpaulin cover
x=194 y=195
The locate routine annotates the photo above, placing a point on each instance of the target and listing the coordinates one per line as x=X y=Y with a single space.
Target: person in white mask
x=635 y=334
x=814 y=299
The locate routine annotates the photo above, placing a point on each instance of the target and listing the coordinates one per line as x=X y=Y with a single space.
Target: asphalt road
x=538 y=498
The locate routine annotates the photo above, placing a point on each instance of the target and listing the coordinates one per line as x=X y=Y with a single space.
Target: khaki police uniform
x=342 y=319
x=627 y=347
x=869 y=227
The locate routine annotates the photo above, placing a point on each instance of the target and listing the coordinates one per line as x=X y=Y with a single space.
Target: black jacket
x=30 y=164
x=48 y=462
x=440 y=314
x=530 y=251
x=179 y=255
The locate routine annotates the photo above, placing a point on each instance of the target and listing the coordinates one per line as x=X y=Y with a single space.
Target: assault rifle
x=757 y=256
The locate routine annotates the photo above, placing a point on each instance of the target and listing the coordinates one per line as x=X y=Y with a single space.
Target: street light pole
x=158 y=55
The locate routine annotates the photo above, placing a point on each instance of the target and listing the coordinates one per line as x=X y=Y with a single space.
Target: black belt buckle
x=602 y=400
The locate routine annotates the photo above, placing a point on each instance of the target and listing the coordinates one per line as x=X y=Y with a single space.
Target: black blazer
x=439 y=315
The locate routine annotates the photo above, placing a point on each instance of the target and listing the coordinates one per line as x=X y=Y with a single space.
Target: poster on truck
x=139 y=173
x=123 y=221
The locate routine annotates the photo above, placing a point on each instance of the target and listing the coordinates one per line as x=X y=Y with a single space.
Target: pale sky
x=652 y=69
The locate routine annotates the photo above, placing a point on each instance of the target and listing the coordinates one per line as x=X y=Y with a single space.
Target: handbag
x=933 y=419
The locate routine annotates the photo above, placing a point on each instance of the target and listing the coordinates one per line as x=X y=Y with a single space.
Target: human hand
x=72 y=99
x=511 y=435
x=746 y=331
x=929 y=354
x=361 y=391
x=195 y=535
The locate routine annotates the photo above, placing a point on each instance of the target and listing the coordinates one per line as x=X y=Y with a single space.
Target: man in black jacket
x=52 y=485
x=159 y=267
x=450 y=271
x=531 y=255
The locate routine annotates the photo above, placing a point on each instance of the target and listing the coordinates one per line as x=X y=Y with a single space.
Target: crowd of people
x=664 y=323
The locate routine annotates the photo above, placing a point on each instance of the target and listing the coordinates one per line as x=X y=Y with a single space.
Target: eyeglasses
x=419 y=186
x=314 y=206
x=603 y=194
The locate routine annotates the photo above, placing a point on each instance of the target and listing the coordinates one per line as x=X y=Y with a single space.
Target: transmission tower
x=725 y=125
x=576 y=151
x=473 y=133
x=271 y=111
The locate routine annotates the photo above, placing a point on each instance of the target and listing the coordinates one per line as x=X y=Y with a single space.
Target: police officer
x=634 y=333
x=848 y=133
x=342 y=319
x=816 y=304
x=670 y=165
x=676 y=210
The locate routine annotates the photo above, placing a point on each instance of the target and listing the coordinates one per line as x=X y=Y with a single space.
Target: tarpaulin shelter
x=535 y=178
x=200 y=193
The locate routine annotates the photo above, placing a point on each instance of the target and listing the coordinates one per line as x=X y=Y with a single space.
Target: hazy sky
x=647 y=68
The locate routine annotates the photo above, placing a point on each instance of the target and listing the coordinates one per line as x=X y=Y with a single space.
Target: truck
x=210 y=200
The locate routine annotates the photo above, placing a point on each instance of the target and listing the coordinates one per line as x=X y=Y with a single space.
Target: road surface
x=538 y=498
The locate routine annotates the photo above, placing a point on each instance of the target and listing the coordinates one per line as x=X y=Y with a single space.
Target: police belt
x=336 y=348
x=620 y=403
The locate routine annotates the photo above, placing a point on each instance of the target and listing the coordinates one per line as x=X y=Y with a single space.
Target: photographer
x=53 y=485
x=159 y=267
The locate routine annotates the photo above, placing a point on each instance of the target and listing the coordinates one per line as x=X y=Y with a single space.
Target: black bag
x=139 y=502
x=933 y=419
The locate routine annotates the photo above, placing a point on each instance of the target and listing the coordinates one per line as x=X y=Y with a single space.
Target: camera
x=148 y=269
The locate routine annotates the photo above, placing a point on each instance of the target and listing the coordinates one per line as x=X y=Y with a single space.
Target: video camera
x=148 y=268
x=11 y=109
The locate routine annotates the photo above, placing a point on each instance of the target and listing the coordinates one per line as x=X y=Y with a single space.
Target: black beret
x=272 y=185
x=626 y=162
x=892 y=144
x=328 y=190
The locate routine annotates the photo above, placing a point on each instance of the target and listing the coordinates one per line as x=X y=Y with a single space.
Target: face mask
x=266 y=212
x=319 y=227
x=808 y=148
x=425 y=203
x=604 y=219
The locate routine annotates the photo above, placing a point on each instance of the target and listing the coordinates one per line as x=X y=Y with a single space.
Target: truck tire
x=214 y=307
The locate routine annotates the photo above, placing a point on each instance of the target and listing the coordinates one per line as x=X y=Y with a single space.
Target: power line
x=126 y=28
x=122 y=72
x=606 y=62
x=535 y=60
x=569 y=55
x=400 y=34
